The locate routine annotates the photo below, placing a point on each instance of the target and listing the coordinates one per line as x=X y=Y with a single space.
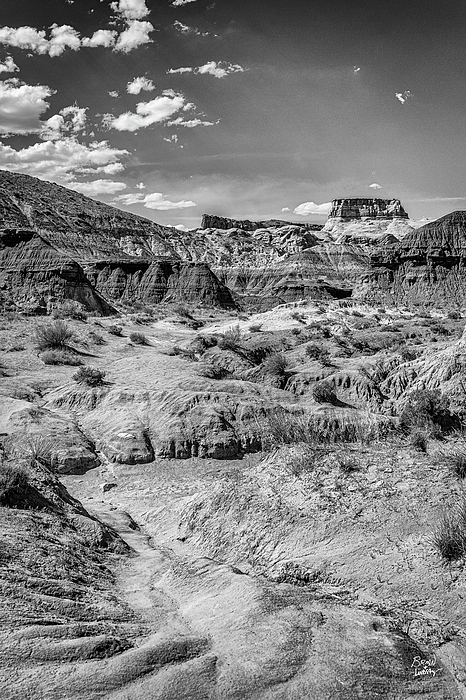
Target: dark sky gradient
x=299 y=125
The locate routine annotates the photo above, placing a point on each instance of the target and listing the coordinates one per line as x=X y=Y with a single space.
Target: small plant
x=231 y=339
x=407 y=355
x=419 y=440
x=255 y=327
x=315 y=352
x=70 y=309
x=96 y=338
x=296 y=331
x=90 y=376
x=210 y=371
x=348 y=464
x=114 y=329
x=323 y=392
x=60 y=357
x=428 y=409
x=54 y=335
x=276 y=364
x=39 y=450
x=449 y=538
x=138 y=338
x=181 y=310
x=297 y=316
x=12 y=478
x=454 y=315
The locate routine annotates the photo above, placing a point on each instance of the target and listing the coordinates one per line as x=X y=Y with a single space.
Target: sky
x=244 y=108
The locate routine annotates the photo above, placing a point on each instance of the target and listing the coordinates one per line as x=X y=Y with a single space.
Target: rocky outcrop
x=363 y=220
x=427 y=267
x=212 y=221
x=34 y=275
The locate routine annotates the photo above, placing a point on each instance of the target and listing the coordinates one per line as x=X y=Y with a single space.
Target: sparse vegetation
x=255 y=327
x=276 y=364
x=53 y=336
x=138 y=338
x=12 y=477
x=419 y=440
x=316 y=352
x=96 y=338
x=60 y=357
x=90 y=376
x=348 y=463
x=285 y=428
x=428 y=410
x=449 y=538
x=324 y=392
x=231 y=339
x=70 y=309
x=114 y=329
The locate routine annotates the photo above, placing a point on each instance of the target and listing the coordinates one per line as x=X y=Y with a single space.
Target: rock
x=364 y=220
x=221 y=222
x=108 y=486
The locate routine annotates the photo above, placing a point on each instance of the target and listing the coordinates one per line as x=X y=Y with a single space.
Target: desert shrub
x=455 y=458
x=142 y=319
x=114 y=329
x=323 y=392
x=454 y=315
x=96 y=338
x=407 y=354
x=419 y=439
x=315 y=352
x=296 y=331
x=276 y=364
x=70 y=309
x=54 y=335
x=428 y=409
x=90 y=376
x=183 y=352
x=211 y=371
x=297 y=316
x=284 y=428
x=255 y=327
x=181 y=310
x=138 y=338
x=231 y=339
x=60 y=357
x=440 y=329
x=449 y=538
x=38 y=449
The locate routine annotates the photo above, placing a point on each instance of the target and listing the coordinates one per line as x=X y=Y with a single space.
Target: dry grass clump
x=324 y=392
x=70 y=309
x=90 y=376
x=428 y=410
x=138 y=338
x=231 y=339
x=53 y=336
x=12 y=477
x=276 y=364
x=285 y=428
x=60 y=357
x=96 y=338
x=449 y=538
x=255 y=327
x=211 y=371
x=348 y=464
x=114 y=329
x=419 y=440
x=316 y=352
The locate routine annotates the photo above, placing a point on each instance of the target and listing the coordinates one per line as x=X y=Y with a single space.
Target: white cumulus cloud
x=21 y=106
x=131 y=9
x=97 y=187
x=286 y=209
x=157 y=110
x=403 y=96
x=178 y=3
x=136 y=34
x=375 y=186
x=189 y=123
x=102 y=37
x=70 y=120
x=137 y=84
x=114 y=93
x=8 y=66
x=308 y=208
x=155 y=200
x=218 y=69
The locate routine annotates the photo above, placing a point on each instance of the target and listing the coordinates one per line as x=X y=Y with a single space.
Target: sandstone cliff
x=364 y=220
x=212 y=221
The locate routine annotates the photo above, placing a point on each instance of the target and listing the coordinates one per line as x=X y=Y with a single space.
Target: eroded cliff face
x=212 y=221
x=428 y=266
x=364 y=220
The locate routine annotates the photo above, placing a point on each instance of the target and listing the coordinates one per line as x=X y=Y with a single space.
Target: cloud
x=131 y=9
x=308 y=208
x=403 y=96
x=178 y=3
x=375 y=186
x=8 y=66
x=356 y=69
x=63 y=159
x=189 y=123
x=218 y=70
x=157 y=110
x=102 y=37
x=21 y=105
x=156 y=200
x=181 y=227
x=286 y=209
x=140 y=186
x=186 y=29
x=171 y=139
x=70 y=120
x=114 y=93
x=24 y=38
x=138 y=84
x=136 y=34
x=97 y=187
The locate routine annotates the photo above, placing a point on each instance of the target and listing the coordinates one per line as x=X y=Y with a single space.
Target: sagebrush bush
x=315 y=352
x=276 y=364
x=419 y=440
x=429 y=410
x=54 y=336
x=231 y=339
x=449 y=538
x=138 y=338
x=255 y=327
x=70 y=309
x=60 y=357
x=114 y=329
x=91 y=376
x=324 y=392
x=96 y=338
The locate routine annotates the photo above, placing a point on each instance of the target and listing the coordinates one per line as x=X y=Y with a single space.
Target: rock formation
x=212 y=221
x=364 y=220
x=426 y=267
